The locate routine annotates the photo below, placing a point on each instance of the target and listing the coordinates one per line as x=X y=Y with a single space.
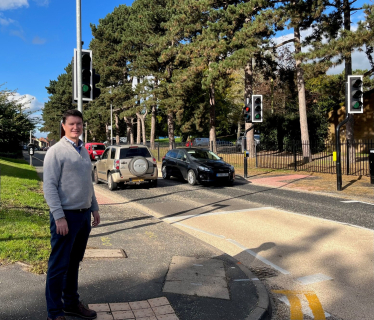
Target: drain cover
x=264 y=272
x=105 y=253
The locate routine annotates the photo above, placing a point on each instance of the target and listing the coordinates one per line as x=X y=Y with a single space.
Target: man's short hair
x=72 y=112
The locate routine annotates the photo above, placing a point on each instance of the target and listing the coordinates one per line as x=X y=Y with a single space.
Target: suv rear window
x=98 y=147
x=134 y=152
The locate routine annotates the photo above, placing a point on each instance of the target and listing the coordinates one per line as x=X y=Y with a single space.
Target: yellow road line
x=315 y=305
x=295 y=304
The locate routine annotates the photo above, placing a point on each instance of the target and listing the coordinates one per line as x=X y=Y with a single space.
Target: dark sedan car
x=197 y=165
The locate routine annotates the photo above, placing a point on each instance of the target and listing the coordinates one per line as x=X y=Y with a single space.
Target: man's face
x=73 y=127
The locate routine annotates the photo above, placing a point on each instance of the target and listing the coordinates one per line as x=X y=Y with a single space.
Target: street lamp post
x=79 y=59
x=111 y=119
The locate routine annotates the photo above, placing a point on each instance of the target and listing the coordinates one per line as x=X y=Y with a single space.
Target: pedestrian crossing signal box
x=31 y=149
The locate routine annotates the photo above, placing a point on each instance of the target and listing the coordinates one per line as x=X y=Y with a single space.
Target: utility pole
x=79 y=59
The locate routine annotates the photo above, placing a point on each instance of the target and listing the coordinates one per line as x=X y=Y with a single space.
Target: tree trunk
x=129 y=130
x=171 y=130
x=307 y=156
x=153 y=118
x=248 y=91
x=85 y=133
x=153 y=127
x=93 y=137
x=142 y=121
x=117 y=127
x=239 y=130
x=348 y=71
x=212 y=131
x=138 y=130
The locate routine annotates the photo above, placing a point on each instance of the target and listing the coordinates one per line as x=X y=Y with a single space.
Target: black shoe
x=81 y=311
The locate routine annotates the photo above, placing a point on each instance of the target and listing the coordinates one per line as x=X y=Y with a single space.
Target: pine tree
x=333 y=42
x=112 y=54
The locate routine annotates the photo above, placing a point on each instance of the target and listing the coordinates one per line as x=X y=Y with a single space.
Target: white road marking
x=239 y=280
x=178 y=218
x=314 y=278
x=352 y=201
x=211 y=234
x=256 y=255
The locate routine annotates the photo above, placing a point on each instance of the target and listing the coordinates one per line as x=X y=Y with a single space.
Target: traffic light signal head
x=257 y=108
x=247 y=113
x=87 y=73
x=355 y=94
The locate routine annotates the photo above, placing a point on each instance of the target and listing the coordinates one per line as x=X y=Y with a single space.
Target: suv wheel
x=153 y=183
x=95 y=177
x=138 y=166
x=165 y=174
x=191 y=178
x=111 y=184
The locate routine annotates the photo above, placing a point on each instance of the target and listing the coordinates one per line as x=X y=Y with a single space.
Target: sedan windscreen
x=134 y=152
x=201 y=155
x=98 y=147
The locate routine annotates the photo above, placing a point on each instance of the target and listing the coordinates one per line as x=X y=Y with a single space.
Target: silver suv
x=130 y=164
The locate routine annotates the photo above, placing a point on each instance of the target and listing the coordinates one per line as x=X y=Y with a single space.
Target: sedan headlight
x=94 y=152
x=232 y=168
x=204 y=168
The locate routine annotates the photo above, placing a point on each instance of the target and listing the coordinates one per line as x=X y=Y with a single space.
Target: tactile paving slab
x=152 y=309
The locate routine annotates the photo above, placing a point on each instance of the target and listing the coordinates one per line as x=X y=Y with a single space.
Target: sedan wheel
x=111 y=184
x=96 y=177
x=165 y=174
x=191 y=178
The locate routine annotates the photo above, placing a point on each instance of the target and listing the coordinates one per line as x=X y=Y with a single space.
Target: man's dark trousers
x=63 y=264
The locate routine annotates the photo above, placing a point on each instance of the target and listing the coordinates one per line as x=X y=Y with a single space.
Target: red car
x=95 y=149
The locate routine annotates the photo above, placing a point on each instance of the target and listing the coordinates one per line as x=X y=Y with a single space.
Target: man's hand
x=62 y=227
x=96 y=217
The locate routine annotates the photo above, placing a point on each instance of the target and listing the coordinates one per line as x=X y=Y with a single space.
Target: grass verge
x=24 y=216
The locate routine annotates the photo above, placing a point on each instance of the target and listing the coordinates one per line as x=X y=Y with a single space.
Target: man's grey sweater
x=67 y=179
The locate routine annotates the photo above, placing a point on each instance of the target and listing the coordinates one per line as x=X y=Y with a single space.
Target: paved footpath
x=142 y=268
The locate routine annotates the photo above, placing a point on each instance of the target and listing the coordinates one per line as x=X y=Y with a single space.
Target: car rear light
x=163 y=158
x=133 y=147
x=116 y=164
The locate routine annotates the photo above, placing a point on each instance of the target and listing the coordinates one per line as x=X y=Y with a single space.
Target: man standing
x=70 y=195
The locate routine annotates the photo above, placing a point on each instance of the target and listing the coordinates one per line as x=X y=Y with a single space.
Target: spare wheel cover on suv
x=138 y=166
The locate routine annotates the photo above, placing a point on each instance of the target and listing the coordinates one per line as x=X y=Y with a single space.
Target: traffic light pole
x=338 y=156
x=337 y=134
x=244 y=147
x=79 y=60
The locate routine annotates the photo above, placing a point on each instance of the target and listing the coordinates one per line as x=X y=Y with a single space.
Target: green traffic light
x=357 y=105
x=258 y=116
x=86 y=88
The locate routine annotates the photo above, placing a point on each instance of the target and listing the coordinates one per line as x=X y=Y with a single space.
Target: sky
x=38 y=38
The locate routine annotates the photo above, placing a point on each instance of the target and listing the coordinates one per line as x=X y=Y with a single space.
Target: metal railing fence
x=354 y=157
